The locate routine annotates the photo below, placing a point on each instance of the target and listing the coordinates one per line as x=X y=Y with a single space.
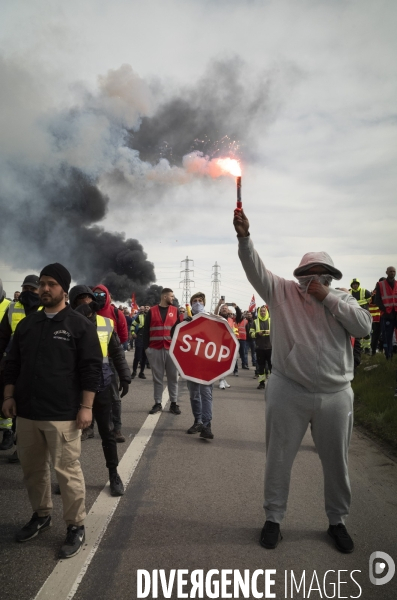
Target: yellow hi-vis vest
x=16 y=312
x=104 y=328
x=3 y=307
x=257 y=324
x=140 y=322
x=362 y=300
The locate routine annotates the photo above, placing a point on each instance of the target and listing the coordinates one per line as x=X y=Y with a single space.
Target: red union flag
x=134 y=305
x=252 y=305
x=204 y=349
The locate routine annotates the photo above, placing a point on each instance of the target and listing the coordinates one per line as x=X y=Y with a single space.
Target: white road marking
x=67 y=575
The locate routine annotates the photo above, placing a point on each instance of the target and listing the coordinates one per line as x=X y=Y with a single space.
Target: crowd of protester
x=81 y=338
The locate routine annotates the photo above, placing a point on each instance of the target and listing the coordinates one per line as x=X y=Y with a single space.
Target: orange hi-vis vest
x=234 y=327
x=389 y=295
x=160 y=333
x=242 y=332
x=375 y=312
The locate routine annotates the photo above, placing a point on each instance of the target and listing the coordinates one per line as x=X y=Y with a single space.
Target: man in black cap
x=51 y=376
x=27 y=303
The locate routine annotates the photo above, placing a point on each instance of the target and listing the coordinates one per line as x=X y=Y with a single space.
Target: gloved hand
x=188 y=318
x=123 y=388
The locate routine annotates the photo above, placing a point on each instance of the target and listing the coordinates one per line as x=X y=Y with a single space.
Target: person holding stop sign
x=200 y=393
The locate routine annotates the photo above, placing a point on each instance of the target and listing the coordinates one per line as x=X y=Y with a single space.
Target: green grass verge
x=375 y=407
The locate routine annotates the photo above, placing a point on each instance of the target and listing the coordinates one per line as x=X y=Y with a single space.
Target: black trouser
x=102 y=412
x=139 y=356
x=388 y=324
x=116 y=401
x=264 y=362
x=375 y=336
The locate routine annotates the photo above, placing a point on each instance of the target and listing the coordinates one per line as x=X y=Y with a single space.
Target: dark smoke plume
x=218 y=115
x=63 y=232
x=120 y=145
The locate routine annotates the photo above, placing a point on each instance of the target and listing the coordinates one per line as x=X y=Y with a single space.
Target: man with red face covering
x=102 y=297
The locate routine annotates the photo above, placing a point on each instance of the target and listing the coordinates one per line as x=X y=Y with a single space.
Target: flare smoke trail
x=126 y=142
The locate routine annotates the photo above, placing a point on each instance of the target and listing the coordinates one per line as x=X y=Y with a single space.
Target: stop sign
x=204 y=349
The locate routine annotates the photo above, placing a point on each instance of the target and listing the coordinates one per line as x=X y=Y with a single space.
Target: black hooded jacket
x=52 y=360
x=115 y=350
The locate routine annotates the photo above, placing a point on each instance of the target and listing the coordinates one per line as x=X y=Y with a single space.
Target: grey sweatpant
x=160 y=363
x=289 y=410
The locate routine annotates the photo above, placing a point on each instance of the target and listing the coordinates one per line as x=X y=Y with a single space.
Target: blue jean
x=201 y=401
x=251 y=345
x=244 y=353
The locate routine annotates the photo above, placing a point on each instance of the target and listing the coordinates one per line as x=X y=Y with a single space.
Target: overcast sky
x=319 y=158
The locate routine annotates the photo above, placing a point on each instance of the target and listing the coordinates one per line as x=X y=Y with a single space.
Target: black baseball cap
x=32 y=280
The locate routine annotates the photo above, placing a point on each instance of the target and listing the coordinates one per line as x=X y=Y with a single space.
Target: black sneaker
x=116 y=485
x=270 y=535
x=342 y=539
x=142 y=376
x=156 y=408
x=174 y=408
x=13 y=458
x=195 y=428
x=74 y=540
x=35 y=526
x=246 y=368
x=87 y=434
x=261 y=386
x=206 y=432
x=118 y=436
x=133 y=374
x=8 y=440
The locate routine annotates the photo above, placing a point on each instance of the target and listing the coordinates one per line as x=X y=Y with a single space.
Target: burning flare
x=229 y=165
x=196 y=162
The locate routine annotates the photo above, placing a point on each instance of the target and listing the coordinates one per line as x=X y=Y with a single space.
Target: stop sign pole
x=204 y=349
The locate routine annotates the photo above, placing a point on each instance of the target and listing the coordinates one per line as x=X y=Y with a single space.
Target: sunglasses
x=100 y=294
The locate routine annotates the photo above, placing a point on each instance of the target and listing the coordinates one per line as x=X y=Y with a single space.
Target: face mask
x=305 y=280
x=100 y=298
x=29 y=299
x=84 y=309
x=197 y=307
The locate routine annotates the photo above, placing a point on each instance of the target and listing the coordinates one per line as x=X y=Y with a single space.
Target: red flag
x=252 y=305
x=134 y=305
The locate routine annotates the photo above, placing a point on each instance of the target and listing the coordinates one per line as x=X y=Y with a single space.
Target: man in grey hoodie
x=313 y=365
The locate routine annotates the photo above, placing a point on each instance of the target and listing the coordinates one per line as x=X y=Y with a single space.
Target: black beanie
x=59 y=273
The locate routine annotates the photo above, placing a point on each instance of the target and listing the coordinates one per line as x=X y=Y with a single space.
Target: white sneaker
x=226 y=383
x=222 y=384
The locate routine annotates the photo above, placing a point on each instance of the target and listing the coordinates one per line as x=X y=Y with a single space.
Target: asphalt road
x=194 y=504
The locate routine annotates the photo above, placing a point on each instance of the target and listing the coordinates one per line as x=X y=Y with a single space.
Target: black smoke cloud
x=218 y=115
x=63 y=231
x=62 y=171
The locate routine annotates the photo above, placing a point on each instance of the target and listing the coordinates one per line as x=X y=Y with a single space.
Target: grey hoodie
x=310 y=339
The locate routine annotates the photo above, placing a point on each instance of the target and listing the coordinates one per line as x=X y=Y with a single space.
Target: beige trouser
x=61 y=440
